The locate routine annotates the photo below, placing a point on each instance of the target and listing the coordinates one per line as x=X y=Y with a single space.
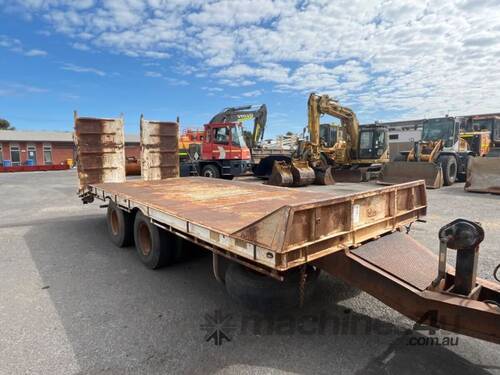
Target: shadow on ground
x=123 y=318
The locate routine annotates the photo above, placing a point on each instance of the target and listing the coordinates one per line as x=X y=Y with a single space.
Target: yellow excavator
x=316 y=161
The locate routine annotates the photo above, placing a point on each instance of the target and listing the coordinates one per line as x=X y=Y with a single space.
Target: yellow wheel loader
x=483 y=173
x=321 y=161
x=439 y=158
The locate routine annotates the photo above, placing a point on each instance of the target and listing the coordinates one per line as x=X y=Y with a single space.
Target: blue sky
x=386 y=60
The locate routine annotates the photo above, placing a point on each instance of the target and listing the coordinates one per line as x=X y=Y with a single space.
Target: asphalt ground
x=71 y=302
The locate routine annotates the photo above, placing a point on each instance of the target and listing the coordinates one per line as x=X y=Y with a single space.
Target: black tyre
x=120 y=225
x=211 y=171
x=260 y=292
x=155 y=247
x=449 y=166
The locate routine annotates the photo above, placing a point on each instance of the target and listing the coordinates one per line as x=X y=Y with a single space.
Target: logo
x=218 y=327
x=371 y=212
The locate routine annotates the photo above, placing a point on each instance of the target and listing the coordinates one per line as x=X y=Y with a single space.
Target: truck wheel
x=154 y=246
x=120 y=225
x=260 y=292
x=449 y=166
x=210 y=171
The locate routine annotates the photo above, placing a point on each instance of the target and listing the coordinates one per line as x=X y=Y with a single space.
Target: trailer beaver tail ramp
x=276 y=231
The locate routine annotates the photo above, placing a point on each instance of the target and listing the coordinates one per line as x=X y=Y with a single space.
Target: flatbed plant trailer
x=278 y=232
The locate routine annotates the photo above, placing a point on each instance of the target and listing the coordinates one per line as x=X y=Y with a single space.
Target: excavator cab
x=372 y=143
x=328 y=133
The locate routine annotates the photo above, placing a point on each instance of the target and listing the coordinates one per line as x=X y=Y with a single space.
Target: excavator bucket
x=302 y=173
x=324 y=177
x=403 y=171
x=281 y=174
x=483 y=175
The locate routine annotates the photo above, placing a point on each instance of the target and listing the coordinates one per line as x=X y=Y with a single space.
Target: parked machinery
x=315 y=161
x=438 y=158
x=483 y=174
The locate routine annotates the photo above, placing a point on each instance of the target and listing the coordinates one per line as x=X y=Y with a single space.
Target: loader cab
x=373 y=142
x=491 y=124
x=224 y=141
x=445 y=129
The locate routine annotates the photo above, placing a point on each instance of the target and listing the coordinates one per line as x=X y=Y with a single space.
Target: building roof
x=45 y=136
x=418 y=122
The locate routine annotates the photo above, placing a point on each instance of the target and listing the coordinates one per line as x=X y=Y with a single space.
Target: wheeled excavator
x=243 y=113
x=314 y=161
x=262 y=159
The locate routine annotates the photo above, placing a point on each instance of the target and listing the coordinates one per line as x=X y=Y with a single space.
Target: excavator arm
x=244 y=113
x=323 y=104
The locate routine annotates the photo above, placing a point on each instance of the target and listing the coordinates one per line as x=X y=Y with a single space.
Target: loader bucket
x=302 y=173
x=281 y=174
x=324 y=176
x=404 y=171
x=483 y=175
x=350 y=175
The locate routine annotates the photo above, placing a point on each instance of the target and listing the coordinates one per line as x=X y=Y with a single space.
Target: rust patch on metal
x=100 y=150
x=159 y=150
x=403 y=257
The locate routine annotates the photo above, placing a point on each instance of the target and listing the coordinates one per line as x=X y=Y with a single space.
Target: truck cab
x=222 y=152
x=224 y=141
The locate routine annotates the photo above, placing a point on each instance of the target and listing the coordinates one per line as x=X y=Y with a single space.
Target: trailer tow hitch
x=398 y=271
x=464 y=236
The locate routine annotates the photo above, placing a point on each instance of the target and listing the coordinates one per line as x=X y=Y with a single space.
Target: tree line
x=5 y=125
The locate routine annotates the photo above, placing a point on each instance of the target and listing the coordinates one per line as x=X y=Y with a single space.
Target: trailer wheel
x=260 y=292
x=155 y=247
x=120 y=225
x=449 y=166
x=210 y=171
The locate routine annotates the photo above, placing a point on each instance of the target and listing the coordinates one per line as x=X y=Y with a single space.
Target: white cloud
x=19 y=89
x=252 y=94
x=81 y=46
x=410 y=57
x=35 y=52
x=16 y=46
x=152 y=74
x=82 y=69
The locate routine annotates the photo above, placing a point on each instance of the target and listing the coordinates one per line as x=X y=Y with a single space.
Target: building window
x=32 y=153
x=47 y=154
x=15 y=154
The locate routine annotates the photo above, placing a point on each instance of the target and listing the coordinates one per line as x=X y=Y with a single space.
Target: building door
x=47 y=154
x=32 y=153
x=15 y=154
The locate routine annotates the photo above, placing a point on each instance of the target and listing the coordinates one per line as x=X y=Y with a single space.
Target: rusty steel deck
x=276 y=227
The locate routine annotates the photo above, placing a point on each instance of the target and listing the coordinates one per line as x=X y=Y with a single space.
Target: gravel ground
x=71 y=302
